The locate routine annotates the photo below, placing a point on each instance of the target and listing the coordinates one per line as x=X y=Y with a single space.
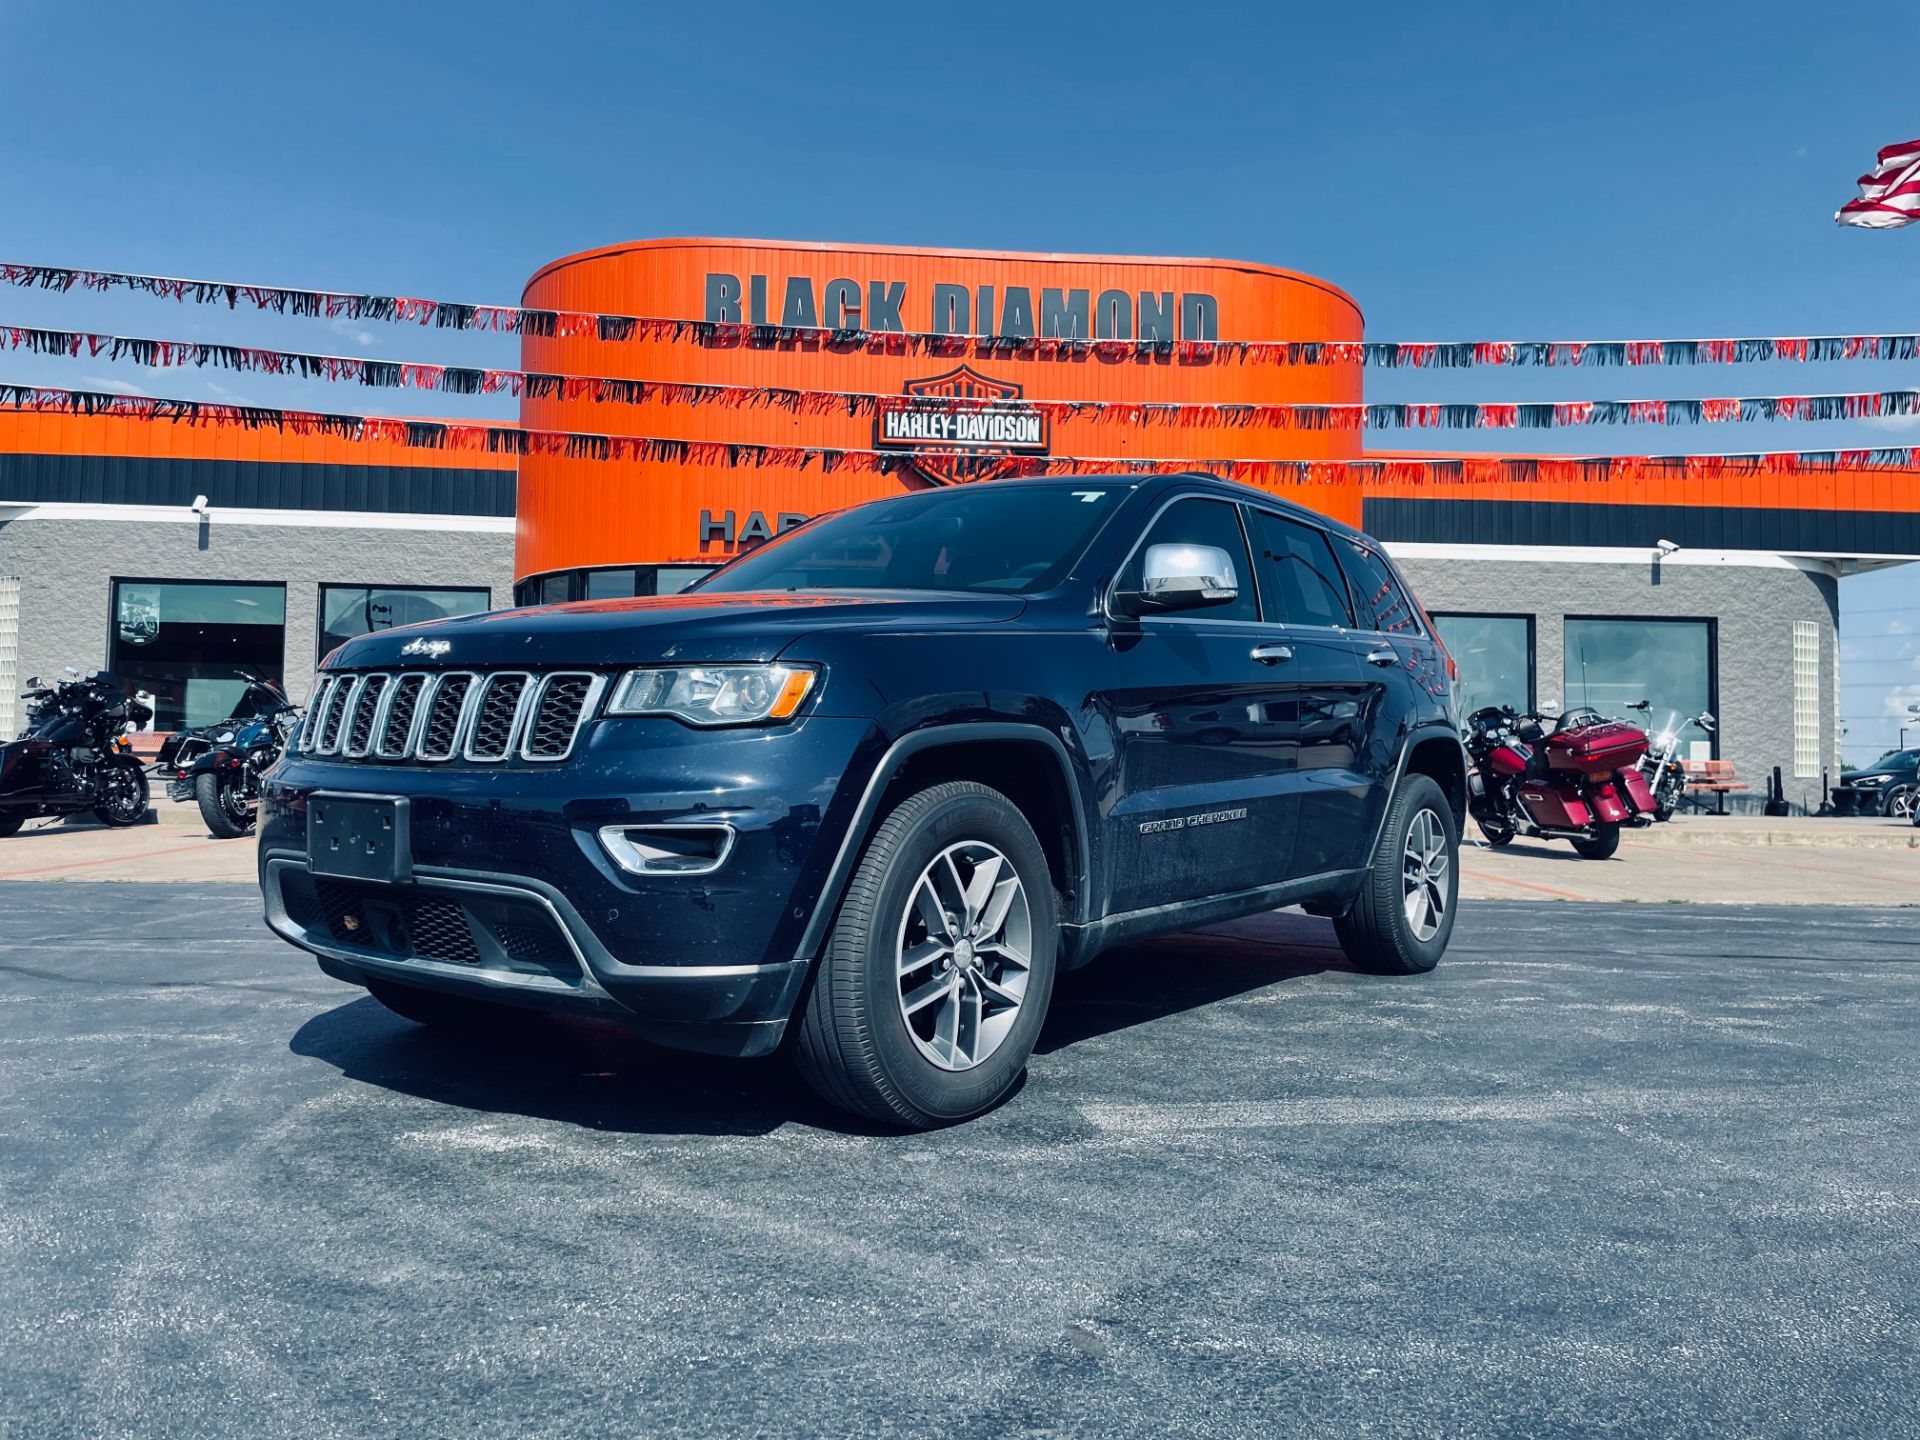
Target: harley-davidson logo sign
x=955 y=443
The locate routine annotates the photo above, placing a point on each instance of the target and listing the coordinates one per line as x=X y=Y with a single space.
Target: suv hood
x=658 y=629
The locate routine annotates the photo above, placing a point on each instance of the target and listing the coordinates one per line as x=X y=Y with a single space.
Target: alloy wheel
x=123 y=792
x=964 y=952
x=1900 y=804
x=1425 y=875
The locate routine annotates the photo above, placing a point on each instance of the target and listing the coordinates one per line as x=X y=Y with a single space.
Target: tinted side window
x=1377 y=595
x=1300 y=581
x=1196 y=521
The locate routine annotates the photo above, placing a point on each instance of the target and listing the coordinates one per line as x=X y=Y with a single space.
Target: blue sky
x=1516 y=170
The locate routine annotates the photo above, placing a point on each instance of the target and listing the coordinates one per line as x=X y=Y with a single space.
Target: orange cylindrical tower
x=585 y=512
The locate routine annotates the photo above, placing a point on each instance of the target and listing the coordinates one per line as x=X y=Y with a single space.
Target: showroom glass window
x=1495 y=656
x=1613 y=662
x=185 y=642
x=350 y=610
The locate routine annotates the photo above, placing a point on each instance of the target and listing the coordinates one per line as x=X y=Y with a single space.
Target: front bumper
x=512 y=897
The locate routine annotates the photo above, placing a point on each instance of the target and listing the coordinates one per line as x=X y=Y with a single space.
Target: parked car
x=876 y=781
x=1888 y=786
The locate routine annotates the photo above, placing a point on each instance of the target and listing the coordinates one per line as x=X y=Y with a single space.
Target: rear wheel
x=124 y=789
x=1605 y=841
x=11 y=821
x=935 y=980
x=222 y=806
x=437 y=1008
x=1403 y=917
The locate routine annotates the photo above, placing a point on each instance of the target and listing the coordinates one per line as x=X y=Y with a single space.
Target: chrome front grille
x=482 y=718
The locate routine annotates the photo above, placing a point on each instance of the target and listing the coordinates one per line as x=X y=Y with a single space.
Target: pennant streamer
x=460 y=380
x=513 y=440
x=1389 y=354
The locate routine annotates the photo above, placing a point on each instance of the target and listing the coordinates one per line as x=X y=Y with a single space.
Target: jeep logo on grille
x=432 y=649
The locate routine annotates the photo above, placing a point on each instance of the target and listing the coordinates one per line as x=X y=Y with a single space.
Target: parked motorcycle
x=1660 y=765
x=221 y=767
x=218 y=767
x=74 y=755
x=1577 y=780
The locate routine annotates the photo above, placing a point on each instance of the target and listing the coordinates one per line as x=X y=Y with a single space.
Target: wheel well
x=1029 y=775
x=1442 y=762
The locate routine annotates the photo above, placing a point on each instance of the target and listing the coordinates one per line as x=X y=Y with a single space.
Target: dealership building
x=178 y=555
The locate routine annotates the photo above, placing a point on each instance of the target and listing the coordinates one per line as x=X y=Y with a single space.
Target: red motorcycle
x=1578 y=781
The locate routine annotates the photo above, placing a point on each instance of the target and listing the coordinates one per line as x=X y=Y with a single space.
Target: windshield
x=1896 y=759
x=995 y=537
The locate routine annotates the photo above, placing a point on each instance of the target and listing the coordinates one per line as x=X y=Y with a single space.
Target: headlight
x=1664 y=739
x=715 y=694
x=1865 y=782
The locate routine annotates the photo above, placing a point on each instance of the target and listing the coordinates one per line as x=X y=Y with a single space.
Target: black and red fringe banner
x=462 y=380
x=1386 y=354
x=514 y=440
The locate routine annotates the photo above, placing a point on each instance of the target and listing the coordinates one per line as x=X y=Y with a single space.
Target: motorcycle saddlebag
x=1639 y=794
x=1553 y=809
x=1597 y=749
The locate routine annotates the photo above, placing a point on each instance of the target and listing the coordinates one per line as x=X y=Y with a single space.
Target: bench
x=1714 y=777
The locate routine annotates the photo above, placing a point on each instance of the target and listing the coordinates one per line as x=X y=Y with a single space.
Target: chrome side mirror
x=1181 y=577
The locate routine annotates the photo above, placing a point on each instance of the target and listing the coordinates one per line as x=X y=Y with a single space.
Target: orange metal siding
x=587 y=512
x=26 y=432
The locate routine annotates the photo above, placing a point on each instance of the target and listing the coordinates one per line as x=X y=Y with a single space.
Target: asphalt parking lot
x=1633 y=1170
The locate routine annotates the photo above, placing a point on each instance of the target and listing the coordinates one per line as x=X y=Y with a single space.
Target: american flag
x=1889 y=193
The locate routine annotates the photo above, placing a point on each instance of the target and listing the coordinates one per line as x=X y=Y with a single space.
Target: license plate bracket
x=359 y=837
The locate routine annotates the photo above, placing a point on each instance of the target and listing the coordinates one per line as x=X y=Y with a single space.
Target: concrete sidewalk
x=1693 y=859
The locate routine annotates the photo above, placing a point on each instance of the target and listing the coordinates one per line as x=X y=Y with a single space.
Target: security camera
x=199 y=504
x=1665 y=547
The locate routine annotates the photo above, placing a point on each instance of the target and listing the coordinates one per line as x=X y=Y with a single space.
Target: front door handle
x=1384 y=655
x=1272 y=654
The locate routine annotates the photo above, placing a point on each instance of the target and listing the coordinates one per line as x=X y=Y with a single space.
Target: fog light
x=668 y=849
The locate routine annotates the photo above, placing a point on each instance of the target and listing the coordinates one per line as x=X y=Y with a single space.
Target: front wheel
x=11 y=821
x=1900 y=804
x=124 y=796
x=933 y=985
x=222 y=806
x=1606 y=840
x=1403 y=917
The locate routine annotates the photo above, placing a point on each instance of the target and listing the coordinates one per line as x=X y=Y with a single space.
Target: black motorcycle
x=219 y=766
x=74 y=755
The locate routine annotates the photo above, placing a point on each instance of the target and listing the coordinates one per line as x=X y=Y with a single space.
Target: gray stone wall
x=1755 y=607
x=65 y=566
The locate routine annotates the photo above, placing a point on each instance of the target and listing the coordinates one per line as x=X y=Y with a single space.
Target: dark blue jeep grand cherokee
x=878 y=781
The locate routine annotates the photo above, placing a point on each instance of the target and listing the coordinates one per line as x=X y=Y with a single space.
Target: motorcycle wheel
x=222 y=806
x=1606 y=840
x=11 y=821
x=1497 y=835
x=126 y=792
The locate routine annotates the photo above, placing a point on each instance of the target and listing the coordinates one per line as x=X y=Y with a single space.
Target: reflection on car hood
x=753 y=625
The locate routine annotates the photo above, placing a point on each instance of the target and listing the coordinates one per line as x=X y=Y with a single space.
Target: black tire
x=129 y=803
x=221 y=806
x=1899 y=803
x=855 y=1046
x=11 y=821
x=1606 y=840
x=439 y=1009
x=1377 y=933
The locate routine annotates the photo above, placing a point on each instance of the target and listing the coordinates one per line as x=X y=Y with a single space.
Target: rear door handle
x=1272 y=654
x=1384 y=655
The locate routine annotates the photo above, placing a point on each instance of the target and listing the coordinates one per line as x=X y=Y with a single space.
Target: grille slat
x=396 y=734
x=478 y=717
x=444 y=713
x=359 y=725
x=497 y=716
